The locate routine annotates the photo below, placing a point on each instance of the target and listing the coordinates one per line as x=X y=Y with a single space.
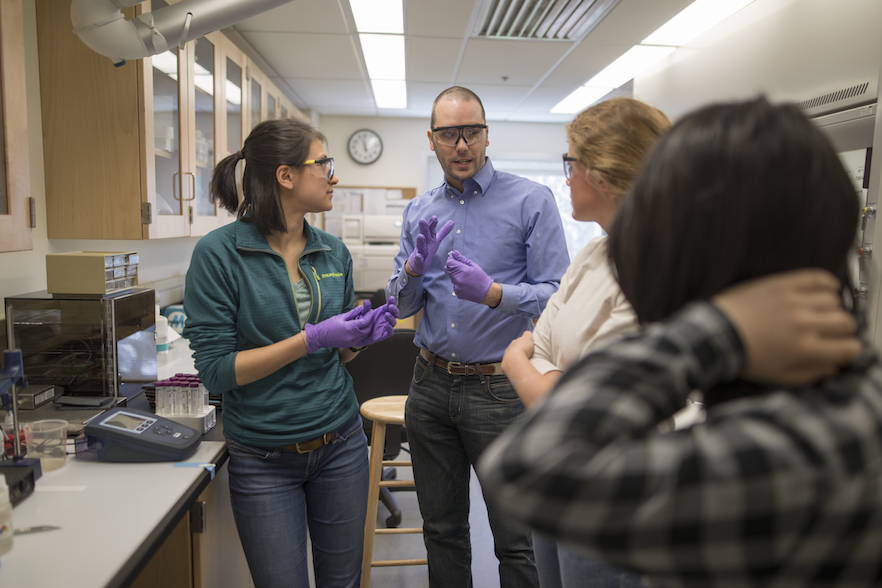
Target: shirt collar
x=479 y=183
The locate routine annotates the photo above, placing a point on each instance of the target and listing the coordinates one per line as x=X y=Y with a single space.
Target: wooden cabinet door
x=167 y=113
x=234 y=100
x=204 y=58
x=15 y=181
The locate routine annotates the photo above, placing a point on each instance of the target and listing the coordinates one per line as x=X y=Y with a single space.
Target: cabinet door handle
x=198 y=517
x=174 y=186
x=193 y=182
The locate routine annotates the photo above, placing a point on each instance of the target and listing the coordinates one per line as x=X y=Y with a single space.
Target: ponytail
x=222 y=188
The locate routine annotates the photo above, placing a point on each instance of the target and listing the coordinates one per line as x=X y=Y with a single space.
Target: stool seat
x=386 y=409
x=383 y=410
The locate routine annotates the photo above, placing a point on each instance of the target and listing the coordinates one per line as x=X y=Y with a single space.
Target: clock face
x=365 y=146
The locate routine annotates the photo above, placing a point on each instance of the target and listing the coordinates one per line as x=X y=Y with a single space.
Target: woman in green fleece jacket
x=270 y=319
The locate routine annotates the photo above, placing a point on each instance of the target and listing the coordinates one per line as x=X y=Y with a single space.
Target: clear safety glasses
x=325 y=163
x=450 y=136
x=568 y=165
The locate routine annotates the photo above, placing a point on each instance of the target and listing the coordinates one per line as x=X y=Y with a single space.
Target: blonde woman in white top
x=607 y=144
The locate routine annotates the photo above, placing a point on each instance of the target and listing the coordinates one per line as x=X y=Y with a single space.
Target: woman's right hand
x=383 y=321
x=359 y=327
x=520 y=348
x=793 y=326
x=340 y=330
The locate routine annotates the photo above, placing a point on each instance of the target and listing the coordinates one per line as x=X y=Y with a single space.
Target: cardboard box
x=91 y=272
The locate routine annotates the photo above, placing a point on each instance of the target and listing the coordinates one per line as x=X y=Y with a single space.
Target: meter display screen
x=125 y=421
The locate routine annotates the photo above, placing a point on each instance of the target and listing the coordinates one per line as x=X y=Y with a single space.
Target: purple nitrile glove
x=427 y=243
x=383 y=321
x=341 y=330
x=469 y=280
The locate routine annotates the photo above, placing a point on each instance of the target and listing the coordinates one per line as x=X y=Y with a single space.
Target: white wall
x=406 y=147
x=25 y=271
x=789 y=50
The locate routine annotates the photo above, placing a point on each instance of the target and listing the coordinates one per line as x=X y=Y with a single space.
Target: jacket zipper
x=319 y=287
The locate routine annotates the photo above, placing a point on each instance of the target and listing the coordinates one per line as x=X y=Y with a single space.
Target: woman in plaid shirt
x=732 y=248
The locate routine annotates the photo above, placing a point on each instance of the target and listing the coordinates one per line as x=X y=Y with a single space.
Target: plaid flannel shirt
x=780 y=489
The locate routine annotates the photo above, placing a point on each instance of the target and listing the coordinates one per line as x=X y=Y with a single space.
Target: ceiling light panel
x=378 y=16
x=390 y=93
x=636 y=60
x=693 y=20
x=384 y=56
x=580 y=99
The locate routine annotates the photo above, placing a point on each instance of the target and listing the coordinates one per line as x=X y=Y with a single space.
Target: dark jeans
x=277 y=493
x=450 y=420
x=561 y=567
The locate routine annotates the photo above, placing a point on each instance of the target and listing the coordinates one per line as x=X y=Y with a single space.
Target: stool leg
x=378 y=441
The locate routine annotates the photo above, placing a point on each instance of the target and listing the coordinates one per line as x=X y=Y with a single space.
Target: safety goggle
x=450 y=136
x=325 y=162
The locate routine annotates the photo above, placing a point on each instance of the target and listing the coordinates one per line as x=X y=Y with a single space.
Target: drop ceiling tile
x=435 y=18
x=545 y=117
x=313 y=56
x=545 y=98
x=432 y=59
x=499 y=100
x=323 y=95
x=631 y=21
x=302 y=16
x=542 y=100
x=423 y=94
x=586 y=60
x=522 y=62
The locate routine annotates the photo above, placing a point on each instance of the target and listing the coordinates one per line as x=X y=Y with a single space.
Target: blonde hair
x=611 y=139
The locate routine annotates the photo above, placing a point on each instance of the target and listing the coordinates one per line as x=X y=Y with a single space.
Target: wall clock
x=365 y=146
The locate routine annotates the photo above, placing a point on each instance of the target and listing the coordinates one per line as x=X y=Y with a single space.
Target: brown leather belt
x=454 y=368
x=307 y=446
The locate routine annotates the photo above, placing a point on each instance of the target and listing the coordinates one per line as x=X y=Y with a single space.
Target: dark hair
x=272 y=143
x=612 y=138
x=732 y=192
x=457 y=93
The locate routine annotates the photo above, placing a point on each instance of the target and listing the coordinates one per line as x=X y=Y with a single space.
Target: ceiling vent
x=561 y=20
x=833 y=100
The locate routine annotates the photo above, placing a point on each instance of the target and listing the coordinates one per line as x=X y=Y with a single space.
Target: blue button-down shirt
x=508 y=225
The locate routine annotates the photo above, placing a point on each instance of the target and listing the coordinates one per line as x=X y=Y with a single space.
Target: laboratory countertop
x=113 y=518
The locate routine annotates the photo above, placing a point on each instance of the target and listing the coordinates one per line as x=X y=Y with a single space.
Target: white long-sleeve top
x=588 y=309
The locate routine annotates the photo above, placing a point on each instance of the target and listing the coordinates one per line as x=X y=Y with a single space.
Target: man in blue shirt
x=480 y=254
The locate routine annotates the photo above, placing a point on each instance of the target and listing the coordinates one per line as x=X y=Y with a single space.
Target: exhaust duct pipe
x=101 y=26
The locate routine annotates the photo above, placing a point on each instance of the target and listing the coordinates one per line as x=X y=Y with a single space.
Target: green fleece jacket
x=239 y=296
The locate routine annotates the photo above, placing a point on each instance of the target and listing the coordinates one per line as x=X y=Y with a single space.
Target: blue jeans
x=450 y=420
x=561 y=567
x=277 y=493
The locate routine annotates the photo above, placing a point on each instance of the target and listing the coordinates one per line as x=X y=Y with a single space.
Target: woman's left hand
x=383 y=320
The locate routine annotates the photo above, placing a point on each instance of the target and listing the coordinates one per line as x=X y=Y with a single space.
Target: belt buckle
x=451 y=364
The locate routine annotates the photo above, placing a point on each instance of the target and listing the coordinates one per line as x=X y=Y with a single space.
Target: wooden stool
x=385 y=410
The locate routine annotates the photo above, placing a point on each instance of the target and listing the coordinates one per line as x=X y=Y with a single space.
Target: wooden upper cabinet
x=15 y=229
x=130 y=144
